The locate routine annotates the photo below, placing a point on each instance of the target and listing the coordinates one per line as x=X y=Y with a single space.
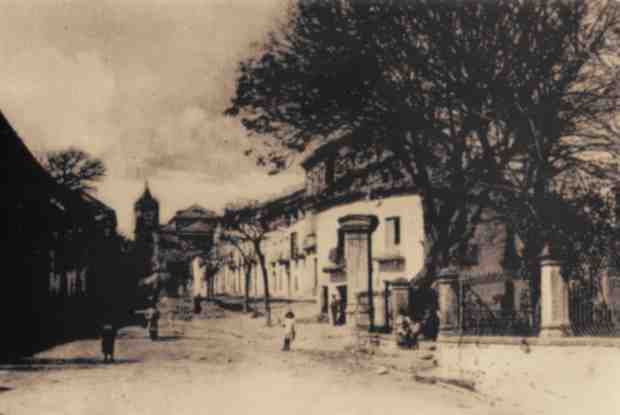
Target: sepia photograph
x=334 y=207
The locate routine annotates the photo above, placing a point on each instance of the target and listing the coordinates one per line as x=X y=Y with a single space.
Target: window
x=392 y=231
x=294 y=246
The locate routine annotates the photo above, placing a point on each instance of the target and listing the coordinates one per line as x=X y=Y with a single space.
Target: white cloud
x=143 y=86
x=73 y=95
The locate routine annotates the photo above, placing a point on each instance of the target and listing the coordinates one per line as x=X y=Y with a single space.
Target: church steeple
x=146 y=200
x=146 y=211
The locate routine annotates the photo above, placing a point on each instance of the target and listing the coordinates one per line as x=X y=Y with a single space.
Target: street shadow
x=5 y=389
x=169 y=338
x=43 y=364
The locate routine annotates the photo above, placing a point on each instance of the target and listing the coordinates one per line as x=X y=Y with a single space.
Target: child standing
x=108 y=337
x=289 y=330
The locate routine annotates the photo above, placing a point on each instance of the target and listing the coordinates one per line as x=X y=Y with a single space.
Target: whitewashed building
x=305 y=249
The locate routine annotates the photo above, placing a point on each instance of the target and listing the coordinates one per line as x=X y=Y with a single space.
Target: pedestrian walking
x=335 y=308
x=152 y=317
x=289 y=330
x=108 y=337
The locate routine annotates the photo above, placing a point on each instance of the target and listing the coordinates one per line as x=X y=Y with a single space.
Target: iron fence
x=590 y=315
x=497 y=315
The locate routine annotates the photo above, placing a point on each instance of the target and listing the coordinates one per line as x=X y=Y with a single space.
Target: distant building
x=172 y=250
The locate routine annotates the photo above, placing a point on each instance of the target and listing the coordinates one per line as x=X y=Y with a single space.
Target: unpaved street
x=229 y=365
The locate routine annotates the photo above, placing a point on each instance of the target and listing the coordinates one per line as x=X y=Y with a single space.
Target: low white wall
x=547 y=379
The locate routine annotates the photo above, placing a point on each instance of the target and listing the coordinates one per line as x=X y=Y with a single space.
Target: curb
x=466 y=384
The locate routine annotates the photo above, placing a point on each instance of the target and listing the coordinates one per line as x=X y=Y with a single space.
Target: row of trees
x=506 y=106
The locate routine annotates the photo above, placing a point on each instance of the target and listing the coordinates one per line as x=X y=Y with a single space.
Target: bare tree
x=74 y=168
x=245 y=227
x=213 y=260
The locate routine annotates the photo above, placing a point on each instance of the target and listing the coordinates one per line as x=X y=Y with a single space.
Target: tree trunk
x=208 y=283
x=436 y=245
x=248 y=278
x=263 y=267
x=531 y=258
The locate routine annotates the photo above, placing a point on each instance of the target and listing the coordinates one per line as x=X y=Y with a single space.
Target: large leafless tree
x=456 y=94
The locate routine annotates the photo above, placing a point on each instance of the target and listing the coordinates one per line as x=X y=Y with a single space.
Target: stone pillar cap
x=550 y=260
x=447 y=273
x=399 y=282
x=549 y=257
x=358 y=223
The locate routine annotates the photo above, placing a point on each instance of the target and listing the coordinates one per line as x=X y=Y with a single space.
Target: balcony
x=309 y=243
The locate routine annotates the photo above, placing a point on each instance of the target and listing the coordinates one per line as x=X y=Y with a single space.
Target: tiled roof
x=169 y=227
x=198 y=227
x=196 y=212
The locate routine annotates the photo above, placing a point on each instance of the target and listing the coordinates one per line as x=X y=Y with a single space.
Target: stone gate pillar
x=357 y=231
x=554 y=314
x=448 y=292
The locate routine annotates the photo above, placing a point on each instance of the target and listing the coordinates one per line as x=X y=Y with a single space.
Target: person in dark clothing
x=152 y=317
x=335 y=308
x=430 y=327
x=108 y=338
x=197 y=304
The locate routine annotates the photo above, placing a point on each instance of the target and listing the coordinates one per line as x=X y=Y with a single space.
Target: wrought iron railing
x=590 y=316
x=479 y=318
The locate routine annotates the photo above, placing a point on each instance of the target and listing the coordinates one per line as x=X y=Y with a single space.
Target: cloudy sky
x=141 y=84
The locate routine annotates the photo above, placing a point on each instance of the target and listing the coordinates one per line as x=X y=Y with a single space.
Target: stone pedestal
x=357 y=230
x=554 y=312
x=448 y=290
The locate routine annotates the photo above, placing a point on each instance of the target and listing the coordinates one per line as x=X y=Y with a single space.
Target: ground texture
x=233 y=364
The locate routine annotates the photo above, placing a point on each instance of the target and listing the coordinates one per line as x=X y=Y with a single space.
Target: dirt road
x=230 y=365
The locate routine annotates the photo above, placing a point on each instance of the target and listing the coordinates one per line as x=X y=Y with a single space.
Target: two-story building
x=304 y=249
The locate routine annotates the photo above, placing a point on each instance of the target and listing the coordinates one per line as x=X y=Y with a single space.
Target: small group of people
x=409 y=330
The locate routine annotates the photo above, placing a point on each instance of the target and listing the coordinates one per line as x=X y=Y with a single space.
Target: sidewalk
x=564 y=377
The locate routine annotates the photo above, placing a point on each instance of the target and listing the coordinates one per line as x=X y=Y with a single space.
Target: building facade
x=305 y=248
x=170 y=256
x=56 y=243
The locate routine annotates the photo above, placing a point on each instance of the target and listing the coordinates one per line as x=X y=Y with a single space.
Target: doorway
x=342 y=294
x=324 y=299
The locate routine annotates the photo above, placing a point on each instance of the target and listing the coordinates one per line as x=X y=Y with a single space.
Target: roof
x=287 y=195
x=198 y=227
x=169 y=227
x=101 y=210
x=20 y=159
x=26 y=179
x=147 y=200
x=196 y=212
x=323 y=147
